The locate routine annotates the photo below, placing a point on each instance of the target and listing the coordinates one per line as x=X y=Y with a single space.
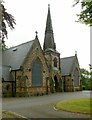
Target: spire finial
x=48 y=5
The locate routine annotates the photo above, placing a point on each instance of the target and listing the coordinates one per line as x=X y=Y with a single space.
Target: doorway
x=56 y=83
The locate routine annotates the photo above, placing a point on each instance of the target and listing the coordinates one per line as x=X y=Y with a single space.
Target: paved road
x=43 y=106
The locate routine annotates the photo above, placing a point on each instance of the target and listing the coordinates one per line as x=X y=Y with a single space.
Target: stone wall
x=68 y=84
x=54 y=69
x=7 y=89
x=24 y=76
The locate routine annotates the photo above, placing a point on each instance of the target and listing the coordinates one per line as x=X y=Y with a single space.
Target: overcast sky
x=69 y=35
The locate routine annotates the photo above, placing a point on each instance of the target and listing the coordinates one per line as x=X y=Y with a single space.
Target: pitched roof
x=67 y=65
x=6 y=73
x=15 y=56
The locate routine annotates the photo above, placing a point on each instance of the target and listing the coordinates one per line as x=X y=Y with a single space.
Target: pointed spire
x=49 y=37
x=49 y=22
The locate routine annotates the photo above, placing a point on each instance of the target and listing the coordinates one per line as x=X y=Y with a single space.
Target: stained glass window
x=37 y=73
x=76 y=79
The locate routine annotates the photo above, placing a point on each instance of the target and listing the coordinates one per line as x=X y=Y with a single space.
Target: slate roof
x=15 y=56
x=67 y=65
x=6 y=73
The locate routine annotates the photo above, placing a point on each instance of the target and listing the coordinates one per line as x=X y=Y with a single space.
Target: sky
x=69 y=36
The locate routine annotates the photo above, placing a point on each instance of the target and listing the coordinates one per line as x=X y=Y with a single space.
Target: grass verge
x=9 y=114
x=80 y=105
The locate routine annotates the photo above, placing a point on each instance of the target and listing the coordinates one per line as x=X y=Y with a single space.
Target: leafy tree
x=2 y=45
x=91 y=80
x=85 y=15
x=86 y=79
x=5 y=19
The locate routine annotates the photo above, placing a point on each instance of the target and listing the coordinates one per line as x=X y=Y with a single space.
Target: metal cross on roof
x=75 y=52
x=36 y=34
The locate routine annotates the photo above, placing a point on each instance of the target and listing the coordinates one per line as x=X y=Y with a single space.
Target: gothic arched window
x=76 y=79
x=55 y=62
x=37 y=73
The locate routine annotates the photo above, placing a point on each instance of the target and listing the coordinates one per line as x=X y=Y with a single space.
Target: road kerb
x=15 y=114
x=55 y=108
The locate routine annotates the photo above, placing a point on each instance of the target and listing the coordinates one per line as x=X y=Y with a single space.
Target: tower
x=52 y=56
x=49 y=37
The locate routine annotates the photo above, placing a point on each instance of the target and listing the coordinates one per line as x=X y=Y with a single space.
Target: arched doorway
x=56 y=83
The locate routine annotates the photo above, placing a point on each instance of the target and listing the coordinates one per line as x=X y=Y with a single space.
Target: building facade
x=27 y=69
x=71 y=74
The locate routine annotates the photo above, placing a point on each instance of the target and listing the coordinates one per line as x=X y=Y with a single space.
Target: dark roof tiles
x=67 y=65
x=6 y=76
x=15 y=56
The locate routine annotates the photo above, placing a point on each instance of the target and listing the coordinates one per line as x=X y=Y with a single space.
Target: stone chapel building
x=27 y=69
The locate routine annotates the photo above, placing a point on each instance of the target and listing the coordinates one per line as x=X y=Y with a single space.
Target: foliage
x=86 y=78
x=9 y=114
x=5 y=19
x=2 y=46
x=85 y=15
x=80 y=105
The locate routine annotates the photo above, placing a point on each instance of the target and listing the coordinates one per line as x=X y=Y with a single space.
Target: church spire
x=49 y=37
x=48 y=22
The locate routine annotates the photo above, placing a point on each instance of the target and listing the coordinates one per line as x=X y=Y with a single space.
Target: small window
x=36 y=48
x=55 y=62
x=14 y=49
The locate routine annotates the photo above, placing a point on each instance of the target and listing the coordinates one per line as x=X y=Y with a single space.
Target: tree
x=2 y=45
x=5 y=19
x=91 y=80
x=86 y=79
x=85 y=15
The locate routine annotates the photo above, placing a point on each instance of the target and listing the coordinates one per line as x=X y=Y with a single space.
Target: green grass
x=8 y=114
x=80 y=105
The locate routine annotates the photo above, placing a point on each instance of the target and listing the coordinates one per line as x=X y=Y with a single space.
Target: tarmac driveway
x=43 y=106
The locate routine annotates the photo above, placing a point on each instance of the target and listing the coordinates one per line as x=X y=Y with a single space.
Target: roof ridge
x=67 y=57
x=19 y=45
x=6 y=65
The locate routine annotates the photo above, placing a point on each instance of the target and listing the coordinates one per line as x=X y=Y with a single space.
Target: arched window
x=76 y=78
x=37 y=73
x=55 y=62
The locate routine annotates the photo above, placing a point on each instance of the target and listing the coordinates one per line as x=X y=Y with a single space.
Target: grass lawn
x=7 y=114
x=80 y=105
